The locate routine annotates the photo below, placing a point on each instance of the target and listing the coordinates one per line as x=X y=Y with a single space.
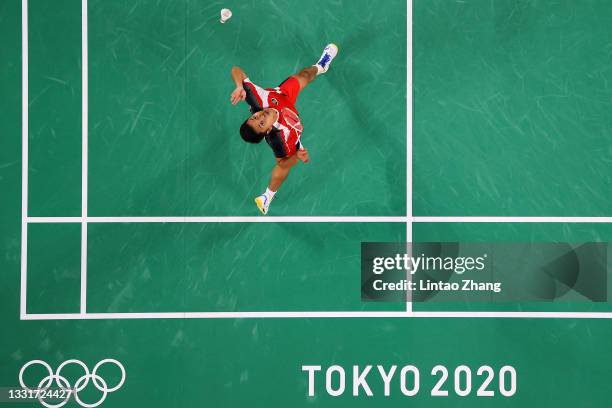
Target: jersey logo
x=274 y=101
x=292 y=120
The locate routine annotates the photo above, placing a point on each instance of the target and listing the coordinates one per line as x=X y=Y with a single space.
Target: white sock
x=319 y=69
x=270 y=194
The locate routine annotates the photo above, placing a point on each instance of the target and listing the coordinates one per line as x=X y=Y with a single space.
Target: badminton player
x=275 y=118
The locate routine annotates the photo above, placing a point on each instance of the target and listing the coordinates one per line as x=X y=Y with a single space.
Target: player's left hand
x=303 y=155
x=239 y=94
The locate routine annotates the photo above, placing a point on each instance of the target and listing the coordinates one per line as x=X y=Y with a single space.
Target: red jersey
x=284 y=139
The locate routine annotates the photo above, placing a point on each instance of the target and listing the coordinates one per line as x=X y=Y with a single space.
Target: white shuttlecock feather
x=226 y=14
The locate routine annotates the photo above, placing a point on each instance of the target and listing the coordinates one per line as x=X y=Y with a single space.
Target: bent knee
x=286 y=162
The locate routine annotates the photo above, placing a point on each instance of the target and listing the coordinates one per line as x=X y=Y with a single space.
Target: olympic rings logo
x=79 y=385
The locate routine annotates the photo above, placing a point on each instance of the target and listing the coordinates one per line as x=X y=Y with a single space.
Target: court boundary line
x=322 y=219
x=84 y=220
x=317 y=314
x=24 y=159
x=84 y=151
x=409 y=214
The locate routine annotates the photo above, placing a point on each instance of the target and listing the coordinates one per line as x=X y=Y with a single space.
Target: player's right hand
x=238 y=95
x=302 y=154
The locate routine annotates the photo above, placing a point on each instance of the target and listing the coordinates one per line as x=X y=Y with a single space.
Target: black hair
x=249 y=134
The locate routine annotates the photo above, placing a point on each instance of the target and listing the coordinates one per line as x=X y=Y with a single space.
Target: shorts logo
x=79 y=385
x=274 y=101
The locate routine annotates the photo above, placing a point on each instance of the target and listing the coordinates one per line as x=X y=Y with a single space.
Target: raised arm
x=238 y=76
x=239 y=93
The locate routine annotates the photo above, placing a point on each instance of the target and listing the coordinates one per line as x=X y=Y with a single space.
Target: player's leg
x=279 y=174
x=281 y=171
x=308 y=74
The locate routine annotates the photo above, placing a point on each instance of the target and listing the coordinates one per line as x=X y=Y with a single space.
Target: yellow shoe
x=262 y=203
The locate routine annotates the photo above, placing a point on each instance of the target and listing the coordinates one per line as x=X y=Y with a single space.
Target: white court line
x=321 y=314
x=383 y=219
x=409 y=139
x=517 y=315
x=84 y=154
x=409 y=115
x=495 y=219
x=243 y=219
x=210 y=315
x=24 y=158
x=84 y=220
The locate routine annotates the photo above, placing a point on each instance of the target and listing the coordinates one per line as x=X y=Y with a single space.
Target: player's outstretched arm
x=238 y=94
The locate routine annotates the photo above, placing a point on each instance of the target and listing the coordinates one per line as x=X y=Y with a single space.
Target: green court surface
x=166 y=138
x=206 y=304
x=511 y=108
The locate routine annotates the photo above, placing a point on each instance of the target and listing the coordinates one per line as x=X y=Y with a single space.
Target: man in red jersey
x=275 y=118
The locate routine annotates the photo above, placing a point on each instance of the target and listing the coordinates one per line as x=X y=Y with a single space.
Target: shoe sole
x=259 y=204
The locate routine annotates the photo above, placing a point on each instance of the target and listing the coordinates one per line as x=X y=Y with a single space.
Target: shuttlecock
x=226 y=14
